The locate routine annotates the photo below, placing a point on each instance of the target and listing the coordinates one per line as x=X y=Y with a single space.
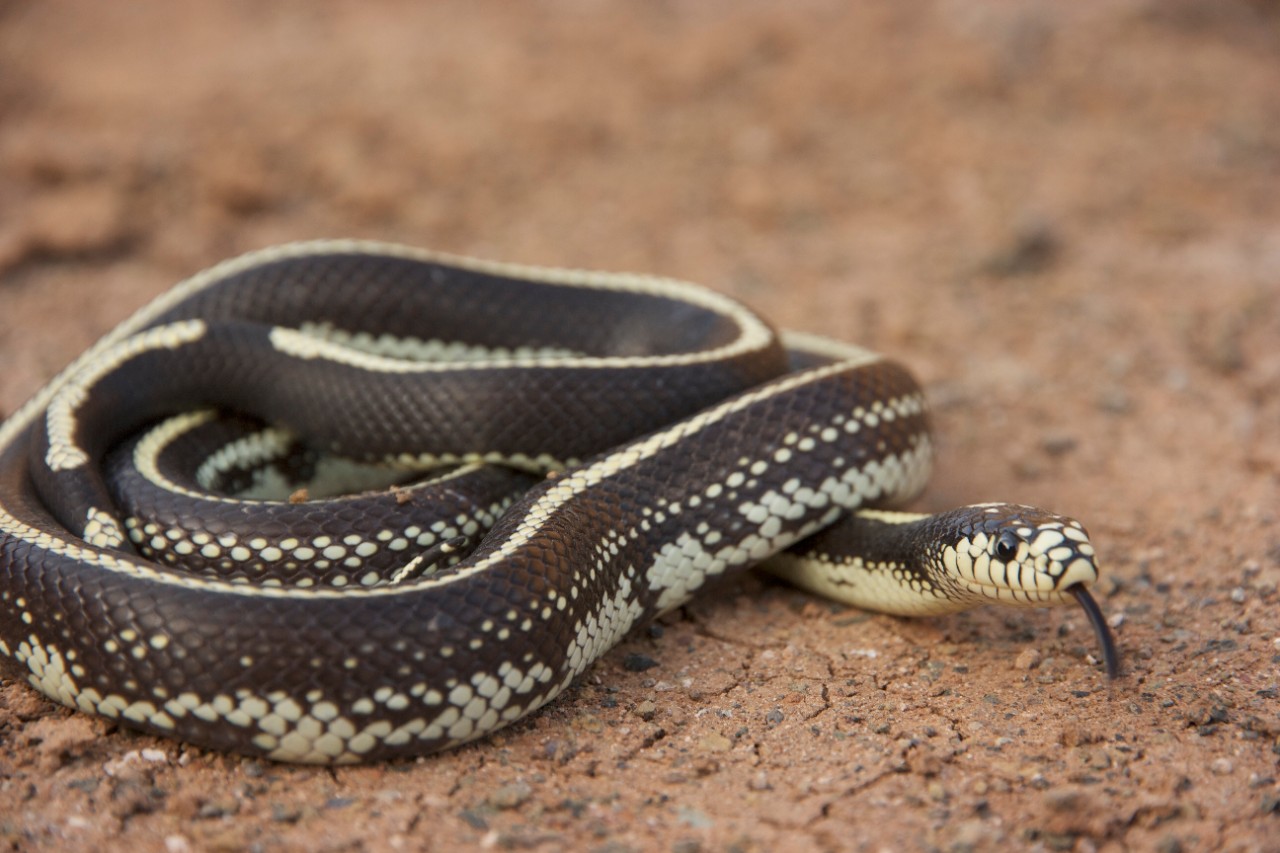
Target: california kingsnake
x=664 y=435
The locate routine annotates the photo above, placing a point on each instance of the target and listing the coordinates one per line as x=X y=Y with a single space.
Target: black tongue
x=1110 y=654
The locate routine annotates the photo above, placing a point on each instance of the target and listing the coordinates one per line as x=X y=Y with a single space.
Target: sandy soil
x=1064 y=217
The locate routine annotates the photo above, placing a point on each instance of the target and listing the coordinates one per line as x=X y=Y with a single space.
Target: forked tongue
x=1110 y=655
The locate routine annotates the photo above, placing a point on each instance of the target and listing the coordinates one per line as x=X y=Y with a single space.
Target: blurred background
x=967 y=183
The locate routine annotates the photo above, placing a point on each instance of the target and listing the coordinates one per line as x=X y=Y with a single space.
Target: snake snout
x=1081 y=571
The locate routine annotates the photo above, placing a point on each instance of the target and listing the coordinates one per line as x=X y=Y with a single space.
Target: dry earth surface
x=1064 y=217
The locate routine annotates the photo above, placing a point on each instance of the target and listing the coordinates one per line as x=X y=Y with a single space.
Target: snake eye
x=1007 y=547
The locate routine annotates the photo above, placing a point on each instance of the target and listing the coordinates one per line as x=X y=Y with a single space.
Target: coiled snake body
x=627 y=438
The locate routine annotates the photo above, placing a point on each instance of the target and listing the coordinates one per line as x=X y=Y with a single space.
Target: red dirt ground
x=1064 y=217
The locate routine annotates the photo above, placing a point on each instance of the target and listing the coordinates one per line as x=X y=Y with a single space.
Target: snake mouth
x=1101 y=630
x=1019 y=596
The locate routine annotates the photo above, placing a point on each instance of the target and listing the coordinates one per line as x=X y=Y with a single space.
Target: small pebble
x=1065 y=800
x=715 y=742
x=1221 y=766
x=638 y=663
x=1028 y=659
x=924 y=762
x=213 y=810
x=1099 y=760
x=694 y=818
x=1058 y=444
x=511 y=796
x=1115 y=401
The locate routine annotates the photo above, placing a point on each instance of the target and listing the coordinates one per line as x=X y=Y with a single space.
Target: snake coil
x=538 y=461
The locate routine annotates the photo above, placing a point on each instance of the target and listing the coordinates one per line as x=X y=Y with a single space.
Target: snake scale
x=345 y=501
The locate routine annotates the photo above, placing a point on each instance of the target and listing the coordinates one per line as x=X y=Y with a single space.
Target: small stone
x=510 y=796
x=1238 y=595
x=1099 y=759
x=760 y=782
x=694 y=818
x=1075 y=734
x=132 y=766
x=1065 y=800
x=1115 y=401
x=1058 y=444
x=646 y=710
x=217 y=809
x=972 y=835
x=703 y=767
x=638 y=663
x=589 y=723
x=924 y=762
x=1222 y=766
x=1028 y=659
x=715 y=742
x=1034 y=247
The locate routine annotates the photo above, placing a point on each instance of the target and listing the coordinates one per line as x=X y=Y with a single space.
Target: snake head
x=1023 y=555
x=1017 y=554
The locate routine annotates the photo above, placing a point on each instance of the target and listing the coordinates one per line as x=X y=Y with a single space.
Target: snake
x=347 y=501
